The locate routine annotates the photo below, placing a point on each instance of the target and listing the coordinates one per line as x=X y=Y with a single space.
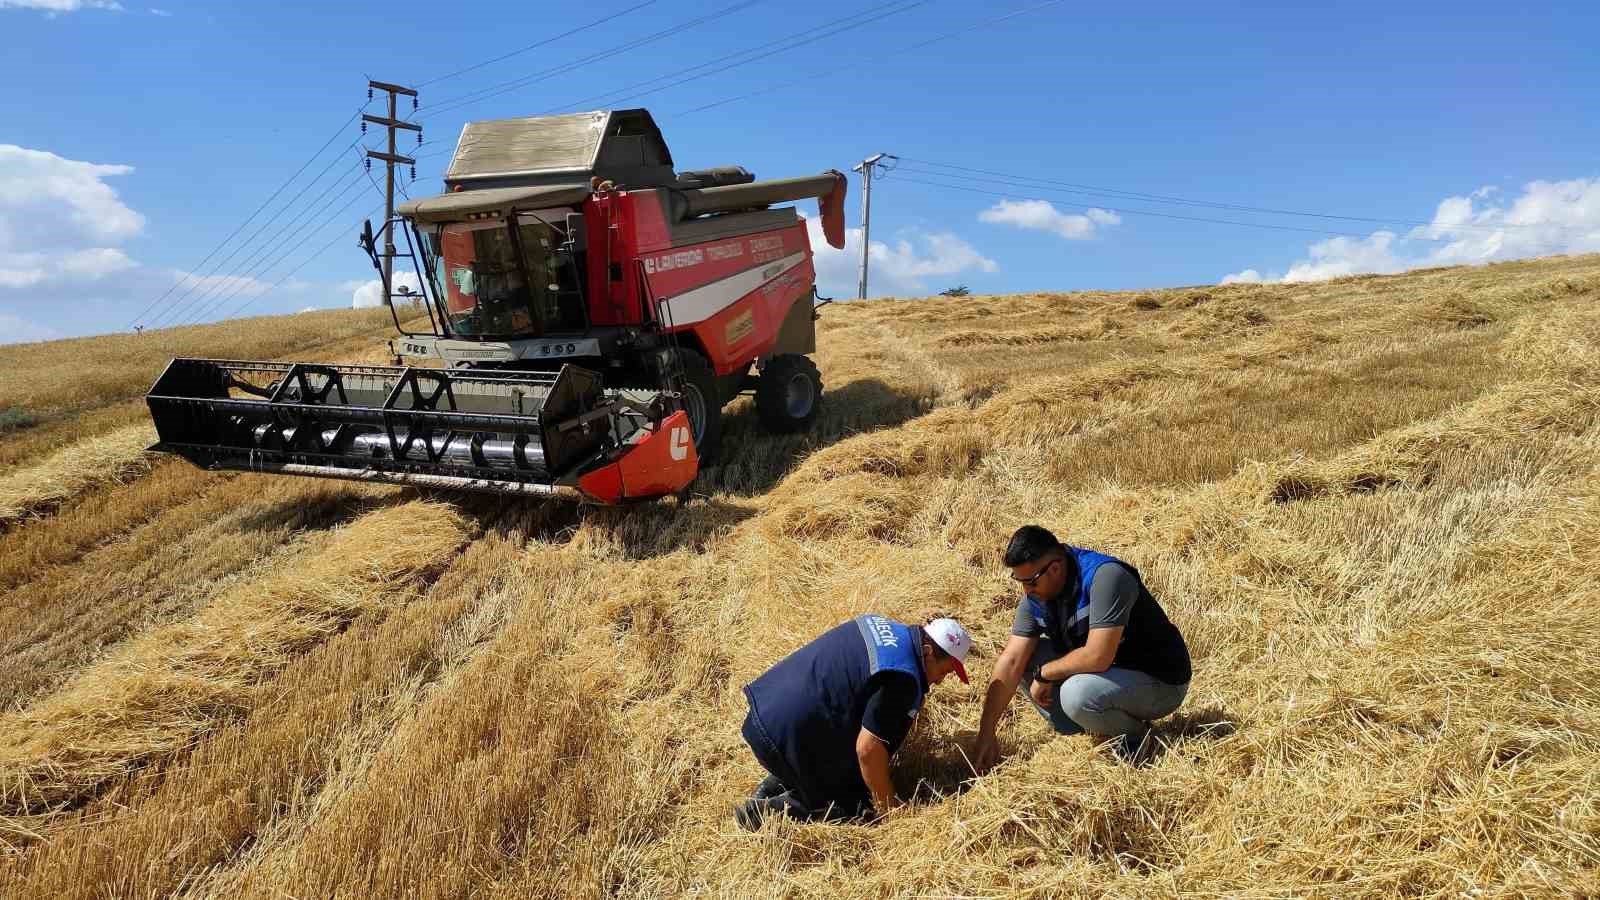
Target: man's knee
x=1078 y=695
x=1083 y=700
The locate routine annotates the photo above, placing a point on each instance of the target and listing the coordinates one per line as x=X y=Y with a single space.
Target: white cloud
x=60 y=6
x=1248 y=276
x=160 y=12
x=1547 y=217
x=15 y=329
x=899 y=268
x=48 y=202
x=1041 y=215
x=365 y=294
x=209 y=288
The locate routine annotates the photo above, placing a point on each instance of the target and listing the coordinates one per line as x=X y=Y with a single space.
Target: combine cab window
x=500 y=282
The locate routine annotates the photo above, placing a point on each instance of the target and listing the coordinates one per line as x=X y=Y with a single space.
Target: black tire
x=788 y=394
x=703 y=402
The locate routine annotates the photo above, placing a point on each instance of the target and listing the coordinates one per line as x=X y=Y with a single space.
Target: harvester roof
x=623 y=145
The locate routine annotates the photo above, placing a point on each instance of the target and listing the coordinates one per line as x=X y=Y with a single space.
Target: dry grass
x=112 y=457
x=1369 y=503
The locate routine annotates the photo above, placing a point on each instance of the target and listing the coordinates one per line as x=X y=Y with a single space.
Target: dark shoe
x=1136 y=753
x=769 y=787
x=751 y=813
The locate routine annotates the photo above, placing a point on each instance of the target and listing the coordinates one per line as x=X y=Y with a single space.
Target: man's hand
x=1042 y=692
x=985 y=753
x=873 y=756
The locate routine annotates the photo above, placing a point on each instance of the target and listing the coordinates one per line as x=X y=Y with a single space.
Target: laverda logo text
x=666 y=262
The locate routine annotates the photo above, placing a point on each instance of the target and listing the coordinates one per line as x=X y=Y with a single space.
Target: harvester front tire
x=703 y=402
x=788 y=394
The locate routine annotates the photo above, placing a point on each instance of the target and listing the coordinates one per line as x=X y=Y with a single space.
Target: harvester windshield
x=505 y=278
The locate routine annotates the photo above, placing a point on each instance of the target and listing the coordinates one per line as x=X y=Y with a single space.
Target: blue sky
x=134 y=138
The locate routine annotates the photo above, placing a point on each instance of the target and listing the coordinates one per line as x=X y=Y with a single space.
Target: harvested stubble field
x=1371 y=504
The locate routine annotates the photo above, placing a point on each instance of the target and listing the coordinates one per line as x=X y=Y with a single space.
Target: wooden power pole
x=391 y=159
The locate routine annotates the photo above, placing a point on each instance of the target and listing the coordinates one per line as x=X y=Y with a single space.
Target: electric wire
x=537 y=44
x=249 y=301
x=1068 y=187
x=482 y=94
x=739 y=58
x=189 y=300
x=755 y=54
x=901 y=179
x=811 y=77
x=242 y=225
x=253 y=270
x=175 y=309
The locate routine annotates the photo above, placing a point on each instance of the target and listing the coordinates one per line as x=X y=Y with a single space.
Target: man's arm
x=1002 y=684
x=1111 y=599
x=1096 y=655
x=1003 y=681
x=873 y=756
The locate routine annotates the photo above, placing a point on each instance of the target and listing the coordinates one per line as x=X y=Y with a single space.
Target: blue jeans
x=1110 y=703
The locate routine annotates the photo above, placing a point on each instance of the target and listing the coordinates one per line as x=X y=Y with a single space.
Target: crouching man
x=1095 y=650
x=826 y=719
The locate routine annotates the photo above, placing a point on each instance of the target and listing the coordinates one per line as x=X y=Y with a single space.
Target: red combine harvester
x=589 y=312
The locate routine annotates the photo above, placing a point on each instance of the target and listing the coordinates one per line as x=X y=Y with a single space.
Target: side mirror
x=367 y=242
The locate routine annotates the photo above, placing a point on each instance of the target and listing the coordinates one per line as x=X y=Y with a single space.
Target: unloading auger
x=589 y=311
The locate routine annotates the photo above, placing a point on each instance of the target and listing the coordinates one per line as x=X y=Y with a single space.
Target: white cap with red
x=950 y=636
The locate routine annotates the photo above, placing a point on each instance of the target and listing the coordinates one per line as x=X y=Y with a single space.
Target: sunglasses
x=1030 y=582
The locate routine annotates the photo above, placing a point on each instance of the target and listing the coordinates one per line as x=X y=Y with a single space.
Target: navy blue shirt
x=814 y=702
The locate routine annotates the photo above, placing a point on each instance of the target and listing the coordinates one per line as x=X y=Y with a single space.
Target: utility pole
x=392 y=123
x=865 y=168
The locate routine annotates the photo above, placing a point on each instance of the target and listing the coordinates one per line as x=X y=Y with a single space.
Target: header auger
x=589 y=313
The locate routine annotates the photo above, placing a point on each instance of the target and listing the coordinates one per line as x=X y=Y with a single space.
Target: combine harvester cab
x=588 y=313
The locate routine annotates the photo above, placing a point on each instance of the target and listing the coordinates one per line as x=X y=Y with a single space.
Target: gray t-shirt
x=1150 y=642
x=1112 y=595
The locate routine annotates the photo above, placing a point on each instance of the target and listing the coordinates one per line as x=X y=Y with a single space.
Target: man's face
x=936 y=668
x=1044 y=577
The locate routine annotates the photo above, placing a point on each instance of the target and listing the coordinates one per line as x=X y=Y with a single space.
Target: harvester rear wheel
x=789 y=393
x=703 y=403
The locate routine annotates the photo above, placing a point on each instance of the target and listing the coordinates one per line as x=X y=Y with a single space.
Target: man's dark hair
x=1030 y=544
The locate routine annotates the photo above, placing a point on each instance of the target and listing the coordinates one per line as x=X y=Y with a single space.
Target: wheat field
x=1371 y=505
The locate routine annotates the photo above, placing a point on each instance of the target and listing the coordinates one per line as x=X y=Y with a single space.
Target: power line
x=1139 y=212
x=174 y=311
x=289 y=274
x=264 y=204
x=811 y=77
x=743 y=57
x=505 y=87
x=537 y=44
x=255 y=269
x=1120 y=194
x=754 y=54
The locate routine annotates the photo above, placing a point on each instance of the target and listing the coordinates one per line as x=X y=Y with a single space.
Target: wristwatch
x=1038 y=675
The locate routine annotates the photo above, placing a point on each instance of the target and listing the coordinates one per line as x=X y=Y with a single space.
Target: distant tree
x=959 y=290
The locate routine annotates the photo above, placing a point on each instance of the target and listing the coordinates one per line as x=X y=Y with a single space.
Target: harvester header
x=588 y=311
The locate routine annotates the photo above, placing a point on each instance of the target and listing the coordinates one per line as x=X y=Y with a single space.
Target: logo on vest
x=882 y=632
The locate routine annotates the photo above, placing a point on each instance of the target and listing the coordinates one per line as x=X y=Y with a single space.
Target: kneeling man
x=826 y=718
x=1097 y=652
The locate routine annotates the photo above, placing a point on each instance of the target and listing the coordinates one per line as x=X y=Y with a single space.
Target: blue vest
x=1076 y=628
x=891 y=645
x=809 y=704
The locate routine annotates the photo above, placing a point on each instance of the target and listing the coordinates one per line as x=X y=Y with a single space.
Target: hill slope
x=1368 y=503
